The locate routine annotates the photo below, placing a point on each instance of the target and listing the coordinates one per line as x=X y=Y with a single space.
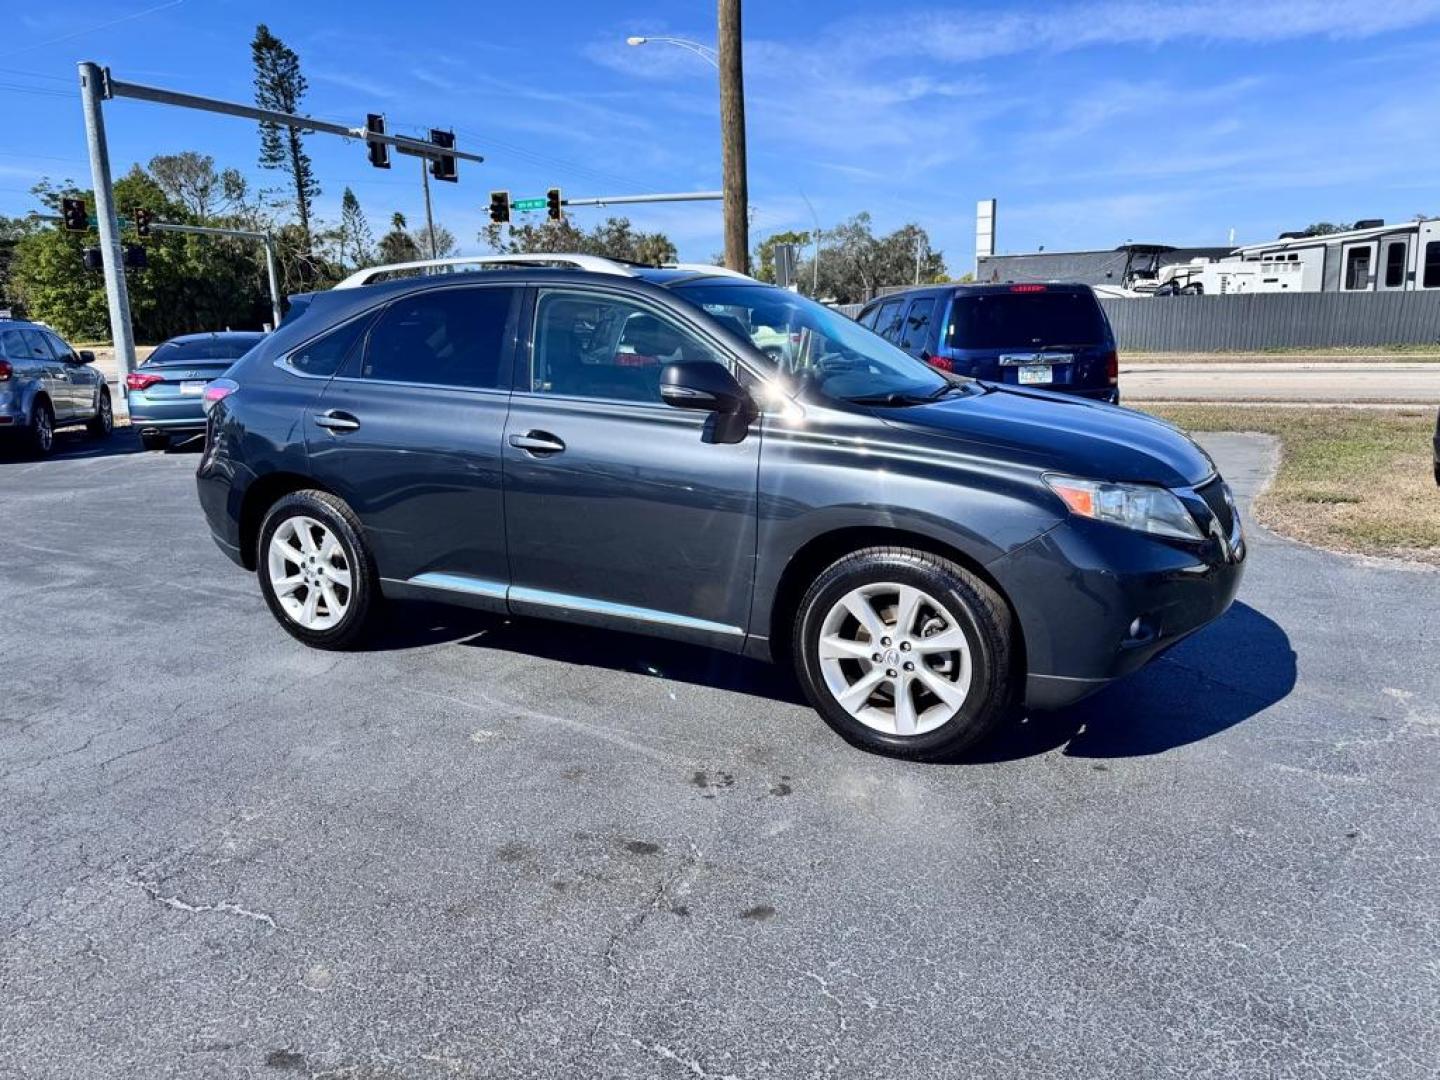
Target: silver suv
x=45 y=384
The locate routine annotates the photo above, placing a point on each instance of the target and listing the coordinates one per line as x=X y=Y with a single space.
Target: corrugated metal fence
x=1274 y=321
x=1269 y=321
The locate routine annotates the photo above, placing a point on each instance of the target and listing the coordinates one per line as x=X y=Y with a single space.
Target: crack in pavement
x=225 y=907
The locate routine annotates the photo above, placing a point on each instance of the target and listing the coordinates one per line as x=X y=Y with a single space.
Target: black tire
x=155 y=440
x=364 y=593
x=41 y=432
x=103 y=422
x=970 y=604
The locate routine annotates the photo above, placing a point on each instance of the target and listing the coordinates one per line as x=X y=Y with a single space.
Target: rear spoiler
x=298 y=303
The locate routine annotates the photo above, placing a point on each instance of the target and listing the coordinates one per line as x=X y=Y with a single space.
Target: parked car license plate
x=196 y=387
x=1030 y=374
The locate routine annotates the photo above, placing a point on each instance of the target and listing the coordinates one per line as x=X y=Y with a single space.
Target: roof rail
x=595 y=264
x=707 y=268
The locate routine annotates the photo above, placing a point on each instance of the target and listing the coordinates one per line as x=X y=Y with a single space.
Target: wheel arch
x=821 y=551
x=263 y=493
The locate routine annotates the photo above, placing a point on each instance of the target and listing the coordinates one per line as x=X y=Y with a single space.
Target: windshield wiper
x=894 y=397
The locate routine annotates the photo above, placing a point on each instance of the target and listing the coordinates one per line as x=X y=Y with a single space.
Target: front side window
x=443 y=337
x=917 y=325
x=1432 y=265
x=887 y=322
x=1357 y=268
x=828 y=354
x=593 y=346
x=58 y=347
x=867 y=317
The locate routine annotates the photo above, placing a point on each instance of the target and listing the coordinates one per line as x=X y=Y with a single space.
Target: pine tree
x=357 y=244
x=279 y=85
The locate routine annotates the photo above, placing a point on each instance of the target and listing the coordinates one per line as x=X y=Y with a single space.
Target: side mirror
x=85 y=356
x=707 y=386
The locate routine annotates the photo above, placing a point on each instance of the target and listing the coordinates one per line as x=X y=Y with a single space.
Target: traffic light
x=499 y=207
x=379 y=151
x=443 y=167
x=93 y=259
x=72 y=211
x=553 y=204
x=136 y=257
x=142 y=221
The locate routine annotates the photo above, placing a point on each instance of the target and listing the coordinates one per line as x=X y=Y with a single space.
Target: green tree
x=356 y=244
x=855 y=263
x=764 y=261
x=192 y=283
x=398 y=245
x=1324 y=228
x=614 y=238
x=280 y=85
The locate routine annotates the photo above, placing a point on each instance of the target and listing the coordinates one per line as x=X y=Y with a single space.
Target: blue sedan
x=165 y=392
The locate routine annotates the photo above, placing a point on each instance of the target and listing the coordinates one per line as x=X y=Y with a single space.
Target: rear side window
x=324 y=356
x=1005 y=320
x=448 y=337
x=887 y=320
x=27 y=345
x=917 y=325
x=12 y=345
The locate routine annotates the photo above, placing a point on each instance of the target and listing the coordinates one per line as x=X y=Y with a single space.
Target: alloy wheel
x=310 y=573
x=895 y=659
x=44 y=430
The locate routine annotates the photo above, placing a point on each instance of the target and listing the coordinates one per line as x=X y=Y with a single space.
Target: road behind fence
x=1270 y=321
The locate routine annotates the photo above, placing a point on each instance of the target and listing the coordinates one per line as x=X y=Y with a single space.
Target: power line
x=99 y=26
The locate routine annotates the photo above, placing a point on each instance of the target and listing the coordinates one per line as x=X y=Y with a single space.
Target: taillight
x=1112 y=367
x=943 y=363
x=5 y=370
x=140 y=380
x=1027 y=288
x=217 y=390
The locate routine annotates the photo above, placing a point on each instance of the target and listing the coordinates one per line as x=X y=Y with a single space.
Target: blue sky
x=1093 y=121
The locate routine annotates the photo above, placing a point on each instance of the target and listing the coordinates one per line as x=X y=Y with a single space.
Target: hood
x=1060 y=433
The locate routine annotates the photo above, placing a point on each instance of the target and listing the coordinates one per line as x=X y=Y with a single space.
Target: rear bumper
x=1096 y=602
x=170 y=414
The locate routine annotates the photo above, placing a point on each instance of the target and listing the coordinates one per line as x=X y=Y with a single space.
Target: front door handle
x=335 y=420
x=537 y=442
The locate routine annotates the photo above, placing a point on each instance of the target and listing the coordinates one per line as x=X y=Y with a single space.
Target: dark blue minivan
x=1047 y=336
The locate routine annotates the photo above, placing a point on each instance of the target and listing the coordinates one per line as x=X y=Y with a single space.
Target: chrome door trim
x=525 y=595
x=495 y=590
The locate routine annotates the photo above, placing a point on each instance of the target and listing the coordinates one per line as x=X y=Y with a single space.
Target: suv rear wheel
x=42 y=429
x=315 y=570
x=905 y=653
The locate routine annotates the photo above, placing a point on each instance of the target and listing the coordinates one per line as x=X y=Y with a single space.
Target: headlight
x=1144 y=507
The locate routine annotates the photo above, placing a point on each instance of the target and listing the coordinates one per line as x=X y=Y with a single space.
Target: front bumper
x=1097 y=601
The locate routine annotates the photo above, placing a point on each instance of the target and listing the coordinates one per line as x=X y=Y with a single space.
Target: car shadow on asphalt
x=1220 y=677
x=1238 y=666
x=72 y=445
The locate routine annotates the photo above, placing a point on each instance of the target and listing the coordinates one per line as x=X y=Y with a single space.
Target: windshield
x=185 y=352
x=818 y=349
x=1025 y=319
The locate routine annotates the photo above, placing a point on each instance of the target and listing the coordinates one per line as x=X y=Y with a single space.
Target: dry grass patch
x=1358 y=480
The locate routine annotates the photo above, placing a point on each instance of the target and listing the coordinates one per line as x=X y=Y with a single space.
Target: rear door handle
x=537 y=442
x=335 y=420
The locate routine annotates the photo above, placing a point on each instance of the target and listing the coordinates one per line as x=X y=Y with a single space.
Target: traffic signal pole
x=107 y=220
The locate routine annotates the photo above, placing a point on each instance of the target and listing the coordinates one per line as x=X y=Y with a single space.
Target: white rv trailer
x=1379 y=258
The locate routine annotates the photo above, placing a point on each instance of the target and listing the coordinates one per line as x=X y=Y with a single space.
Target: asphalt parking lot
x=499 y=849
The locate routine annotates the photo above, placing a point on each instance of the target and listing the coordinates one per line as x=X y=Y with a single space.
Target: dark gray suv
x=608 y=445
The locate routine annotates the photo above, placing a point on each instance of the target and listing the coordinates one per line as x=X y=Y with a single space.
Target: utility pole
x=732 y=137
x=92 y=93
x=429 y=219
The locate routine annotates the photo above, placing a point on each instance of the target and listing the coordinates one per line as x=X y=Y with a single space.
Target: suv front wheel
x=905 y=653
x=315 y=570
